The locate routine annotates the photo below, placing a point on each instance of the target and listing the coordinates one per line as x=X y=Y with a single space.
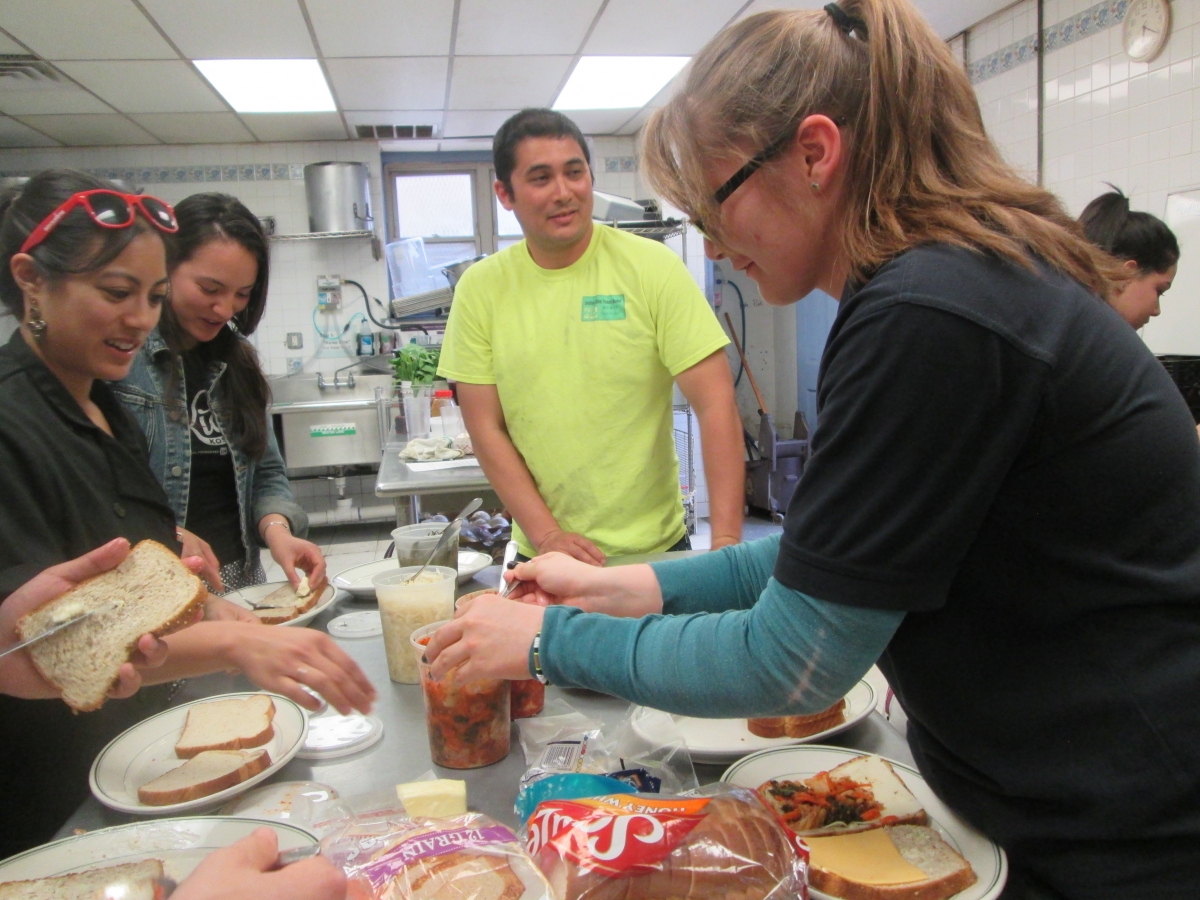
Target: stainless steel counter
x=403 y=754
x=401 y=484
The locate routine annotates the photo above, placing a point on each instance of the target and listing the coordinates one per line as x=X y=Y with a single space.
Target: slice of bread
x=858 y=795
x=151 y=592
x=204 y=774
x=945 y=872
x=799 y=726
x=286 y=603
x=226 y=725
x=137 y=879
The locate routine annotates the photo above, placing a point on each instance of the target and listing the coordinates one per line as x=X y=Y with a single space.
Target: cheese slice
x=868 y=857
x=436 y=799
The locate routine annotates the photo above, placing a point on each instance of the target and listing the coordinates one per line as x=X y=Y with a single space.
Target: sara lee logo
x=613 y=835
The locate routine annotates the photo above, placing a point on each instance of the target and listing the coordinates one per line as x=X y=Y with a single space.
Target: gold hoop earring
x=36 y=324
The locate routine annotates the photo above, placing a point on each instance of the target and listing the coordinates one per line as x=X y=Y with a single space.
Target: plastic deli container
x=527 y=698
x=414 y=543
x=403 y=608
x=468 y=723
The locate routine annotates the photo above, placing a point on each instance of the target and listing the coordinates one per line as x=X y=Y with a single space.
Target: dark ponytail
x=77 y=245
x=209 y=217
x=1108 y=222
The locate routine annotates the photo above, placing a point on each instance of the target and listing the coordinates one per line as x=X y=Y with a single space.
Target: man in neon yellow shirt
x=565 y=347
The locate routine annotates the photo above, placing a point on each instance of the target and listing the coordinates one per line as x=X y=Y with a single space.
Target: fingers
x=103 y=558
x=194 y=563
x=258 y=849
x=150 y=653
x=210 y=571
x=289 y=571
x=443 y=638
x=451 y=657
x=594 y=556
x=129 y=682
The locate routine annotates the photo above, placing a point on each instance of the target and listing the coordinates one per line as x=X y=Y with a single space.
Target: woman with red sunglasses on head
x=85 y=273
x=198 y=392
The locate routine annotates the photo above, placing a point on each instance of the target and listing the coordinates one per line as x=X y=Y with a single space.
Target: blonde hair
x=919 y=166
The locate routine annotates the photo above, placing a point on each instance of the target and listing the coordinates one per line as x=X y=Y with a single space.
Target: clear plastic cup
x=403 y=608
x=468 y=722
x=414 y=543
x=416 y=414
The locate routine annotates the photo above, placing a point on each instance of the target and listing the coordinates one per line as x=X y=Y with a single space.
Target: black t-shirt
x=212 y=508
x=66 y=487
x=999 y=454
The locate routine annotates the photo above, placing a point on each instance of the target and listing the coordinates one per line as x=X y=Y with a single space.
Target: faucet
x=337 y=382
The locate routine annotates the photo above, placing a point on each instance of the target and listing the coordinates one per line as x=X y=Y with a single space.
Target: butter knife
x=55 y=630
x=510 y=560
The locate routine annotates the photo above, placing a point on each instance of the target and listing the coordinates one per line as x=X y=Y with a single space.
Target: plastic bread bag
x=720 y=842
x=564 y=742
x=467 y=857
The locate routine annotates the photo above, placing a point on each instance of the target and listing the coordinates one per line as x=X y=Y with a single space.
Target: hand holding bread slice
x=150 y=592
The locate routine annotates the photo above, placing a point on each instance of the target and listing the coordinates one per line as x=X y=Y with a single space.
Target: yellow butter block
x=438 y=799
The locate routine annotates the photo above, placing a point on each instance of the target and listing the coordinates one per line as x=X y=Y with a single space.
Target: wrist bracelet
x=537 y=659
x=284 y=523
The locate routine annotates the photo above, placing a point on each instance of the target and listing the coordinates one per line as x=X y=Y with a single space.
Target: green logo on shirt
x=604 y=308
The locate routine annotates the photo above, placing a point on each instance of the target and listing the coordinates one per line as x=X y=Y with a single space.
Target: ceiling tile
x=234 y=29
x=399 y=83
x=25 y=97
x=115 y=29
x=90 y=130
x=395 y=117
x=475 y=122
x=466 y=144
x=325 y=126
x=407 y=146
x=600 y=121
x=158 y=86
x=662 y=28
x=14 y=134
x=502 y=28
x=635 y=124
x=382 y=27
x=195 y=128
x=506 y=82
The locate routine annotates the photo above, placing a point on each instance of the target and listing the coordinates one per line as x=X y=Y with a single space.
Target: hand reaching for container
x=626 y=591
x=490 y=638
x=242 y=871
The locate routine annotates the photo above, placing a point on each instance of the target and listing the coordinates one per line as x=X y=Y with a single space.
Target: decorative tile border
x=620 y=164
x=1090 y=21
x=144 y=175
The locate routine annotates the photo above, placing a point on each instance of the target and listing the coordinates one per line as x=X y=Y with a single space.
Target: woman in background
x=85 y=272
x=1144 y=244
x=198 y=392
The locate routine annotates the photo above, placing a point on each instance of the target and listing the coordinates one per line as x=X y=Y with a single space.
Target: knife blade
x=510 y=560
x=55 y=630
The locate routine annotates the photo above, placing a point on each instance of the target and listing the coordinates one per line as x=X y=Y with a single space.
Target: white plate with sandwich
x=728 y=740
x=279 y=604
x=178 y=845
x=857 y=842
x=198 y=755
x=357 y=579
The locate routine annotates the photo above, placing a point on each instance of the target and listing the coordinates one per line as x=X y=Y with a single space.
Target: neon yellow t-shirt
x=584 y=359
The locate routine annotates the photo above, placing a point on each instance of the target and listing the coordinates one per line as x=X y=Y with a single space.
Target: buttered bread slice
x=226 y=725
x=130 y=881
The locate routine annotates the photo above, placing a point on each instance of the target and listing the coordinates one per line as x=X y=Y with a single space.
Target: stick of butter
x=438 y=799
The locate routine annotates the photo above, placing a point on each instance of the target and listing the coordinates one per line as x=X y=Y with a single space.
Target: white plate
x=259 y=592
x=728 y=740
x=180 y=843
x=988 y=860
x=357 y=579
x=147 y=750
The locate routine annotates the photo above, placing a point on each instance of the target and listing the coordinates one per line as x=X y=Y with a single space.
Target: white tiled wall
x=1008 y=101
x=1105 y=118
x=294 y=265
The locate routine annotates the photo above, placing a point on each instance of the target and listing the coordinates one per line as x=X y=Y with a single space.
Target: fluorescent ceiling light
x=618 y=82
x=269 y=85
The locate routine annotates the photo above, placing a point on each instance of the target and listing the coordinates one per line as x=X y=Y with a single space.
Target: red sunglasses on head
x=108 y=209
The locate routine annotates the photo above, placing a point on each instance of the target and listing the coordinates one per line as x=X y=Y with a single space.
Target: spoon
x=466 y=511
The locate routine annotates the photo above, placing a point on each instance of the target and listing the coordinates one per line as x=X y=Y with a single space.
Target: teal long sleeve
x=732 y=642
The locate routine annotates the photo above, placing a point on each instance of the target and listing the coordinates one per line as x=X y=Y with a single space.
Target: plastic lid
x=356 y=625
x=443 y=393
x=332 y=736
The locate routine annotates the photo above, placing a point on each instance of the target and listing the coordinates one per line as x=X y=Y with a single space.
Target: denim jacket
x=262 y=486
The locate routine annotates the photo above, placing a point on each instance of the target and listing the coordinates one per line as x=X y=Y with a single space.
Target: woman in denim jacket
x=198 y=392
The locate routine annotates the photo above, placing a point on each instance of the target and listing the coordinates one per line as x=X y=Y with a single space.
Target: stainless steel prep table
x=403 y=753
x=399 y=483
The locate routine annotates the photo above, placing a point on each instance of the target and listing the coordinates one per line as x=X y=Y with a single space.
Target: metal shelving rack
x=376 y=248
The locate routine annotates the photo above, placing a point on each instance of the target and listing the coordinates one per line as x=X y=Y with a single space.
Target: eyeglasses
x=735 y=181
x=108 y=209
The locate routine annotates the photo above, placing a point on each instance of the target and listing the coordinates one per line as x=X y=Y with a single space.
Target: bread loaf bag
x=645 y=847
